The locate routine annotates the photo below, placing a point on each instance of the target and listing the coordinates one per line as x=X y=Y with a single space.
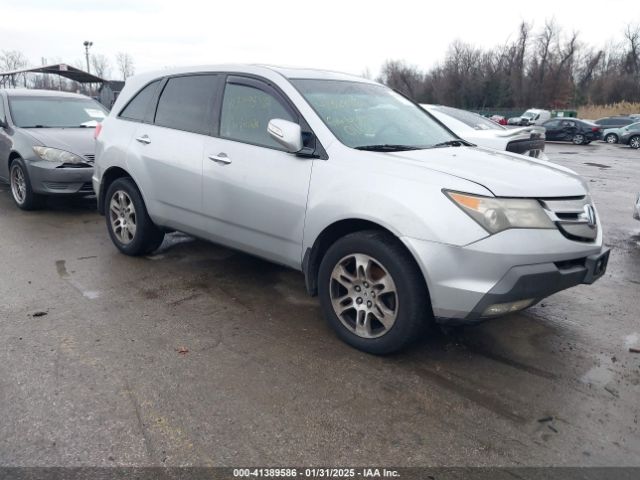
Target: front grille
x=90 y=157
x=574 y=217
x=571 y=264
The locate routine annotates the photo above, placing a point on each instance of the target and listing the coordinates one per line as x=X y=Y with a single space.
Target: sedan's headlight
x=59 y=156
x=498 y=214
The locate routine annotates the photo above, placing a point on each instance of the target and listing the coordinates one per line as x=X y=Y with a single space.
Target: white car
x=487 y=133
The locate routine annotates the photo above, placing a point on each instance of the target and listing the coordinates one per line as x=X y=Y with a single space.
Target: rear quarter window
x=138 y=107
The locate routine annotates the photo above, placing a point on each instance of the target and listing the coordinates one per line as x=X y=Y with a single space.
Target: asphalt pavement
x=199 y=355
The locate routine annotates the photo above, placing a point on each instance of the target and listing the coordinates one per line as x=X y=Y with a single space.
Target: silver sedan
x=46 y=143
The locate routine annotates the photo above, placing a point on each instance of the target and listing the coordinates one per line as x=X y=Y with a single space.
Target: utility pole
x=87 y=44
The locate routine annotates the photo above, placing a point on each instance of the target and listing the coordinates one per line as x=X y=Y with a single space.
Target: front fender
x=407 y=205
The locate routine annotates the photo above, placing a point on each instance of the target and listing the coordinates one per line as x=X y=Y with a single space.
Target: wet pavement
x=199 y=355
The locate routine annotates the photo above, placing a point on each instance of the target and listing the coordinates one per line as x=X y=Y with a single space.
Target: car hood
x=504 y=174
x=509 y=134
x=75 y=140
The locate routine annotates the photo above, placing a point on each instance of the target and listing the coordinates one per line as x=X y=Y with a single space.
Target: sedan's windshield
x=473 y=120
x=55 y=112
x=370 y=117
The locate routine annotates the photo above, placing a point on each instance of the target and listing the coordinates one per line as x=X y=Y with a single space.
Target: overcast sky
x=343 y=35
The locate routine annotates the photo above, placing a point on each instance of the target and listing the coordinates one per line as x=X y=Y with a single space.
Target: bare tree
x=404 y=78
x=101 y=65
x=11 y=60
x=125 y=64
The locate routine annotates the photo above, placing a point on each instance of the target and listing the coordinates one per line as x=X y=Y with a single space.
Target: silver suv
x=394 y=221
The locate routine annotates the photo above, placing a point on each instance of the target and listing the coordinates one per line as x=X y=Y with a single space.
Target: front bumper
x=50 y=179
x=513 y=266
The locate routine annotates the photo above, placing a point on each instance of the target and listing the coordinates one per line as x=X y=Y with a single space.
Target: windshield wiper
x=449 y=143
x=36 y=126
x=387 y=147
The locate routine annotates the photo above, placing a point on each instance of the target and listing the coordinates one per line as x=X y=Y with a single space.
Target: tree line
x=545 y=68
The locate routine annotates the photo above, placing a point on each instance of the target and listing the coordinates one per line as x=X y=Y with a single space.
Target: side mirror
x=286 y=133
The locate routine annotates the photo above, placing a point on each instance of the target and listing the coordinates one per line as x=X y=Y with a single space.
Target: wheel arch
x=108 y=177
x=328 y=236
x=12 y=156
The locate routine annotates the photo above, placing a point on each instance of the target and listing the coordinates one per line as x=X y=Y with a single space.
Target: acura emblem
x=590 y=215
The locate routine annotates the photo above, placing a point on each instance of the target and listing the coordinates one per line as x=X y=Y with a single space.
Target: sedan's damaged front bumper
x=52 y=179
x=504 y=273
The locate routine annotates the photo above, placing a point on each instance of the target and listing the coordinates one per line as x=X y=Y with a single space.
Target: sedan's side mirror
x=286 y=133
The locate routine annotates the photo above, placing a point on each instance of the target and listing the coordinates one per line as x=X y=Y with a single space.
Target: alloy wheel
x=578 y=139
x=18 y=184
x=635 y=142
x=611 y=138
x=363 y=295
x=122 y=214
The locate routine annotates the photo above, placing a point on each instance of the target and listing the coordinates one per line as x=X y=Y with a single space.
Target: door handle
x=221 y=158
x=144 y=139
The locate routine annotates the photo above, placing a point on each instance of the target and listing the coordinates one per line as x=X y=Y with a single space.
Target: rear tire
x=372 y=293
x=21 y=190
x=578 y=139
x=130 y=227
x=634 y=142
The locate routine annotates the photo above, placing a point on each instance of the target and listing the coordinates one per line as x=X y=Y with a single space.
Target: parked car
x=580 y=132
x=614 y=122
x=486 y=133
x=393 y=219
x=499 y=119
x=46 y=143
x=533 y=116
x=612 y=135
x=631 y=135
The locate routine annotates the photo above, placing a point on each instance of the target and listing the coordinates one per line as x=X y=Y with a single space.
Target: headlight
x=498 y=214
x=59 y=156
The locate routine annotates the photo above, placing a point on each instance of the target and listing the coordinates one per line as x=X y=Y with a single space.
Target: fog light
x=503 y=308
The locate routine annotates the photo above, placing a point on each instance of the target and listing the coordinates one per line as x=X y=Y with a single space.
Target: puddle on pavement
x=599 y=165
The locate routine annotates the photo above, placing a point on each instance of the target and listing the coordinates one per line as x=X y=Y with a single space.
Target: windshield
x=473 y=120
x=529 y=114
x=368 y=115
x=52 y=112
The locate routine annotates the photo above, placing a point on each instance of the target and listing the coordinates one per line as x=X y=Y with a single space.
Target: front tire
x=130 y=227
x=21 y=190
x=372 y=293
x=634 y=142
x=611 y=138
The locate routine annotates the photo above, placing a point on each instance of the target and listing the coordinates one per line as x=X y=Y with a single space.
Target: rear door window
x=186 y=103
x=138 y=108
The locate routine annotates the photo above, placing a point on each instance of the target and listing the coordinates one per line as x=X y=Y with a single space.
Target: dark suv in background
x=614 y=122
x=580 y=132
